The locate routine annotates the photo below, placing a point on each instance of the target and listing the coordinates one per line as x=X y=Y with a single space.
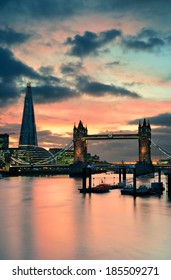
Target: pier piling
x=120 y=174
x=159 y=174
x=89 y=177
x=169 y=184
x=84 y=178
x=124 y=174
x=134 y=181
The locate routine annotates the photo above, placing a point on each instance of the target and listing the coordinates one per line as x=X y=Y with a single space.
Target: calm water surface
x=47 y=218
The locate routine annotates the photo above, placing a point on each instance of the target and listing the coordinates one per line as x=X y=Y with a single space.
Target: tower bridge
x=81 y=138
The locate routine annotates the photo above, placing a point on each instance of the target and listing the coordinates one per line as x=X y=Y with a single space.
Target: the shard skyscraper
x=28 y=134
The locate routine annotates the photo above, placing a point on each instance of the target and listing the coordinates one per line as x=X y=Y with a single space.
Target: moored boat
x=101 y=188
x=142 y=190
x=120 y=185
x=128 y=189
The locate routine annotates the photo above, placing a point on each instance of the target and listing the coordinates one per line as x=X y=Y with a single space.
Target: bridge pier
x=124 y=174
x=84 y=178
x=120 y=175
x=169 y=184
x=87 y=171
x=134 y=181
x=159 y=174
x=89 y=177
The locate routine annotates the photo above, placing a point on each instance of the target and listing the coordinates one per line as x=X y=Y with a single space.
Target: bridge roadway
x=110 y=136
x=65 y=168
x=162 y=166
x=48 y=169
x=32 y=166
x=29 y=169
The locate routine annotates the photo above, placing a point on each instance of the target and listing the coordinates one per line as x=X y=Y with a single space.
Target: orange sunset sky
x=106 y=63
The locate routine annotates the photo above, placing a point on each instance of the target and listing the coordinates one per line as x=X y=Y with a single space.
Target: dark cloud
x=90 y=43
x=50 y=80
x=13 y=129
x=132 y=84
x=113 y=63
x=4 y=3
x=52 y=93
x=9 y=36
x=63 y=8
x=71 y=68
x=141 y=45
x=156 y=11
x=8 y=93
x=47 y=76
x=168 y=39
x=97 y=89
x=10 y=70
x=10 y=128
x=48 y=133
x=159 y=120
x=43 y=134
x=47 y=138
x=160 y=133
x=36 y=9
x=46 y=70
x=145 y=40
x=49 y=88
x=147 y=33
x=115 y=150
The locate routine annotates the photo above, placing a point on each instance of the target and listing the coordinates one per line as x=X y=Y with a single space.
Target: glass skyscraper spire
x=28 y=134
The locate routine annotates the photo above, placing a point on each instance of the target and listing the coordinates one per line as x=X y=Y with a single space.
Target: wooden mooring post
x=134 y=181
x=87 y=173
x=159 y=174
x=84 y=178
x=169 y=184
x=124 y=174
x=89 y=177
x=120 y=175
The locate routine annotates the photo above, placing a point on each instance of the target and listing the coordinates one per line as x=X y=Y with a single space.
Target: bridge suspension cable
x=164 y=151
x=19 y=160
x=52 y=158
x=57 y=154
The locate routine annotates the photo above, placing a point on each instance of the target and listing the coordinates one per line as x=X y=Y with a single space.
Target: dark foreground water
x=47 y=218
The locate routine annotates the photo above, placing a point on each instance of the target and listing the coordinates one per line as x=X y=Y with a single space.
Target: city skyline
x=103 y=62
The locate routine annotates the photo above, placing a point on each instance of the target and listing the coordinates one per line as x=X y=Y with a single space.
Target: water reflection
x=47 y=218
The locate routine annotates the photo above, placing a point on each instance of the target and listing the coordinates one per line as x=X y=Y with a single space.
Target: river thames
x=47 y=218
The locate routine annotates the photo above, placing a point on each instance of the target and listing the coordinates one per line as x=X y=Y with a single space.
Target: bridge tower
x=144 y=132
x=80 y=145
